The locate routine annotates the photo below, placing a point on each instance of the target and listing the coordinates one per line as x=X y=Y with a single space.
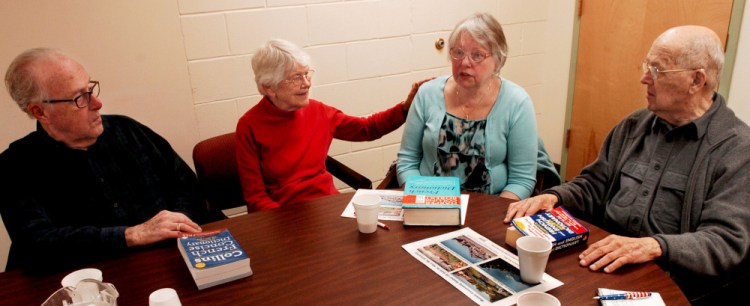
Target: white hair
x=272 y=61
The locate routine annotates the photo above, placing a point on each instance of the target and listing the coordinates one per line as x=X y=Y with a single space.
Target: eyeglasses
x=475 y=56
x=654 y=71
x=296 y=80
x=83 y=99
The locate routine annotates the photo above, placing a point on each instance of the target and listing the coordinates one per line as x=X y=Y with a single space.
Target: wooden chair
x=390 y=181
x=218 y=178
x=546 y=179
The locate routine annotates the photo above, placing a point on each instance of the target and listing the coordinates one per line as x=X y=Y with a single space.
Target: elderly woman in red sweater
x=283 y=141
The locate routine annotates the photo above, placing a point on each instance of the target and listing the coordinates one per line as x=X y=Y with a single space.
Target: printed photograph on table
x=390 y=205
x=442 y=257
x=485 y=272
x=501 y=270
x=506 y=274
x=468 y=249
x=481 y=284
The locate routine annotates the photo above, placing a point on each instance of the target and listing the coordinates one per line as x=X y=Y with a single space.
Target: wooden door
x=614 y=37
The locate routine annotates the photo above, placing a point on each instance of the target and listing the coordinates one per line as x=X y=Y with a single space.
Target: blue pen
x=624 y=296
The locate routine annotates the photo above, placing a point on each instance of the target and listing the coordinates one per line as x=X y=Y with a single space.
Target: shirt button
x=644 y=193
x=657 y=167
x=635 y=221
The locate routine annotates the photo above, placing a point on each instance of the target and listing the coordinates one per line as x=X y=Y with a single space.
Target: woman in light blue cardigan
x=474 y=124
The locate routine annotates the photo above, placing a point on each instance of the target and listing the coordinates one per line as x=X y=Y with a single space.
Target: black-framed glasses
x=475 y=56
x=654 y=71
x=82 y=100
x=296 y=79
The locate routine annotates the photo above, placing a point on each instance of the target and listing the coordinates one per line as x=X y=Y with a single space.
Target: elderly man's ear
x=699 y=80
x=37 y=111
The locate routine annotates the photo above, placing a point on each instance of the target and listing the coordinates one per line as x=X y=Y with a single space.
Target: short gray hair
x=21 y=82
x=486 y=30
x=704 y=51
x=274 y=60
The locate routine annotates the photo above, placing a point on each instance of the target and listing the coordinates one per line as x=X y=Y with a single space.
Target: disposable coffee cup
x=164 y=297
x=366 y=207
x=535 y=298
x=533 y=253
x=72 y=279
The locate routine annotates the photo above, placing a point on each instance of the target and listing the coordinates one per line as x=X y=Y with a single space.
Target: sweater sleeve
x=372 y=127
x=522 y=150
x=583 y=193
x=41 y=246
x=586 y=194
x=248 y=168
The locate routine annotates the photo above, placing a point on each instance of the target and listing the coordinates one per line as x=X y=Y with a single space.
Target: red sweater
x=281 y=155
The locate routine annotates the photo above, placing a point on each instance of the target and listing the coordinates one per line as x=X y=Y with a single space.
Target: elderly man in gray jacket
x=672 y=182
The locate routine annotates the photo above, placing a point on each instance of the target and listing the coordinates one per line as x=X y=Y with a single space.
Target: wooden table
x=309 y=255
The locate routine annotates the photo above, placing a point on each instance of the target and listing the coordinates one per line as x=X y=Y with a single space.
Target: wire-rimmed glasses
x=296 y=79
x=654 y=71
x=475 y=56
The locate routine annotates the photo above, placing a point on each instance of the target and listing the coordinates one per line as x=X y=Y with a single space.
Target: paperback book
x=557 y=225
x=213 y=257
x=485 y=272
x=432 y=200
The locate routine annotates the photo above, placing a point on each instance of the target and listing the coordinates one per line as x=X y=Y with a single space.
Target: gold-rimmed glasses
x=654 y=71
x=296 y=79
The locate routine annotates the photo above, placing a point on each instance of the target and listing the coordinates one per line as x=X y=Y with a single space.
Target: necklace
x=479 y=101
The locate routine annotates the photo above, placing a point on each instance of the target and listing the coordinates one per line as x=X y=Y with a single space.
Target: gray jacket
x=714 y=239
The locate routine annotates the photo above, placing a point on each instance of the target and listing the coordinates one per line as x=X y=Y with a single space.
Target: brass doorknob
x=439 y=44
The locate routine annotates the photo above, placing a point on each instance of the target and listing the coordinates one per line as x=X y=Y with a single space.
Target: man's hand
x=164 y=225
x=615 y=251
x=530 y=206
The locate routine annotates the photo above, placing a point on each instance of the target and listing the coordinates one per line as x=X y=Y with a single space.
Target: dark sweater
x=64 y=207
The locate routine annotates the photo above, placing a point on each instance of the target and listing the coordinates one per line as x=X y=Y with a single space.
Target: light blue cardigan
x=512 y=141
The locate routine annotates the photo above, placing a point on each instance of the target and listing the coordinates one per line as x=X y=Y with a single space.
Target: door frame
x=733 y=33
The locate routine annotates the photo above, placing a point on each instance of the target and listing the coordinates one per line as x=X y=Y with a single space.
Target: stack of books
x=213 y=257
x=432 y=200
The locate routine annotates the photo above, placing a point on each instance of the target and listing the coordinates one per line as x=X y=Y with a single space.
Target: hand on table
x=615 y=251
x=530 y=206
x=164 y=225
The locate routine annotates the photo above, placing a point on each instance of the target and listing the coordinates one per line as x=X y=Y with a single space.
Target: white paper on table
x=391 y=205
x=653 y=300
x=484 y=271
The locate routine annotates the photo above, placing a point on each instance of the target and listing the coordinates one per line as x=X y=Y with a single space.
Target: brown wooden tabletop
x=309 y=255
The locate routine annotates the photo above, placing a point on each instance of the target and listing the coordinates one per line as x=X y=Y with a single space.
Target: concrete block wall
x=182 y=67
x=365 y=53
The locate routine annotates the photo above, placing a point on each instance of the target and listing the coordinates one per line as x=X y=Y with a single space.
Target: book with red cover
x=556 y=225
